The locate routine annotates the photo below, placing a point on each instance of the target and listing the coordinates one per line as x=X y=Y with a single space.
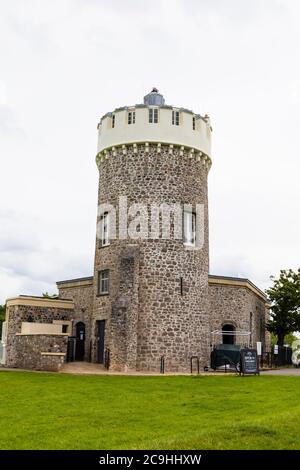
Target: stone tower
x=151 y=290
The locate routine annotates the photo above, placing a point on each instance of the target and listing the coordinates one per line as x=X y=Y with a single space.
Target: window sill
x=189 y=245
x=104 y=246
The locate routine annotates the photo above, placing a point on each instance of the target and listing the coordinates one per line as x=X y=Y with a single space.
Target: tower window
x=105 y=229
x=131 y=117
x=194 y=123
x=175 y=118
x=189 y=228
x=113 y=120
x=153 y=115
x=103 y=282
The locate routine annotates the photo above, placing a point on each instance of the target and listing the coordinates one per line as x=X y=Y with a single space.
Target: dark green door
x=80 y=340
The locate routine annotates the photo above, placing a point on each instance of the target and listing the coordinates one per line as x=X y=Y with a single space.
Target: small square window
x=103 y=282
x=65 y=328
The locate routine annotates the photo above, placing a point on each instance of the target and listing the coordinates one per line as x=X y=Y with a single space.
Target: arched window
x=228 y=338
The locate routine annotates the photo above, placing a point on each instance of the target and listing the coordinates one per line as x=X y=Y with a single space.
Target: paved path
x=99 y=369
x=288 y=371
x=88 y=368
x=83 y=368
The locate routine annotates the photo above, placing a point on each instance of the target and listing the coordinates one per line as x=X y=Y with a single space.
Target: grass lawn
x=57 y=411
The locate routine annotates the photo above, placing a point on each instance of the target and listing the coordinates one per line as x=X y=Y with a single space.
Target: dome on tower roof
x=154 y=98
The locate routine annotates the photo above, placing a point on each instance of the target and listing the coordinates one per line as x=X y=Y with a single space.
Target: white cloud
x=64 y=63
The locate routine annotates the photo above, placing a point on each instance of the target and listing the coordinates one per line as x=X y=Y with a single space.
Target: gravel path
x=289 y=371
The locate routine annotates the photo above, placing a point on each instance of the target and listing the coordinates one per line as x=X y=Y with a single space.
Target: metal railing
x=282 y=358
x=107 y=358
x=162 y=364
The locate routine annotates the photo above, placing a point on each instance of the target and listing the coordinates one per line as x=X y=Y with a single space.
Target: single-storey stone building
x=151 y=298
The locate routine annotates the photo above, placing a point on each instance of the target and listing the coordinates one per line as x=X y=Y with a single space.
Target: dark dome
x=154 y=98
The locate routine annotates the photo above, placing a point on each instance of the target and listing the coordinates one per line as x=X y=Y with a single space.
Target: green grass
x=57 y=411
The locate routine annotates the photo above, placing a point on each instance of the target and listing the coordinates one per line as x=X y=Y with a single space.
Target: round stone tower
x=151 y=259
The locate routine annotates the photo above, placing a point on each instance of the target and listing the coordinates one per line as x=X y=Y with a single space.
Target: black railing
x=162 y=364
x=71 y=348
x=90 y=351
x=107 y=358
x=282 y=357
x=193 y=358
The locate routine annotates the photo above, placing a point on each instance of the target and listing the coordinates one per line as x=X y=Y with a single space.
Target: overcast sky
x=64 y=63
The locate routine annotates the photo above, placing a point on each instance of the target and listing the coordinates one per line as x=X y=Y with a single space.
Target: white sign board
x=258 y=347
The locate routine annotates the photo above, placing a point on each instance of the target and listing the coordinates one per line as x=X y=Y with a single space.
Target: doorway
x=80 y=340
x=100 y=325
x=227 y=337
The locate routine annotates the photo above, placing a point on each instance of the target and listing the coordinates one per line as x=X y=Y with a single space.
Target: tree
x=2 y=317
x=288 y=339
x=285 y=301
x=50 y=296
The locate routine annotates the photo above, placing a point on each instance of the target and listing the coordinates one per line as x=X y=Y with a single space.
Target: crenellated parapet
x=155 y=122
x=193 y=153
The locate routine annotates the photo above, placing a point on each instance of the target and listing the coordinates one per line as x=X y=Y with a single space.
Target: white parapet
x=120 y=127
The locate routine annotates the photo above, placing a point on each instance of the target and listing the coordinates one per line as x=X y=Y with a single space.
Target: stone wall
x=29 y=352
x=236 y=305
x=81 y=292
x=124 y=315
x=16 y=314
x=165 y=320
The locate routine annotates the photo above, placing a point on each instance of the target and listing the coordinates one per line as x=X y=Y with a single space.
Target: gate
x=71 y=349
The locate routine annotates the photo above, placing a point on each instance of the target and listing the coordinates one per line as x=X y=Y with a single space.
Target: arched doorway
x=80 y=340
x=227 y=337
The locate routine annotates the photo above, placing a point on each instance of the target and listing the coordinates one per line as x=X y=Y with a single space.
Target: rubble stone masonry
x=21 y=350
x=234 y=302
x=158 y=300
x=80 y=291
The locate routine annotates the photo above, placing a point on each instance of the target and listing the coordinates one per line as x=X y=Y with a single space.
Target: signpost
x=259 y=348
x=249 y=362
